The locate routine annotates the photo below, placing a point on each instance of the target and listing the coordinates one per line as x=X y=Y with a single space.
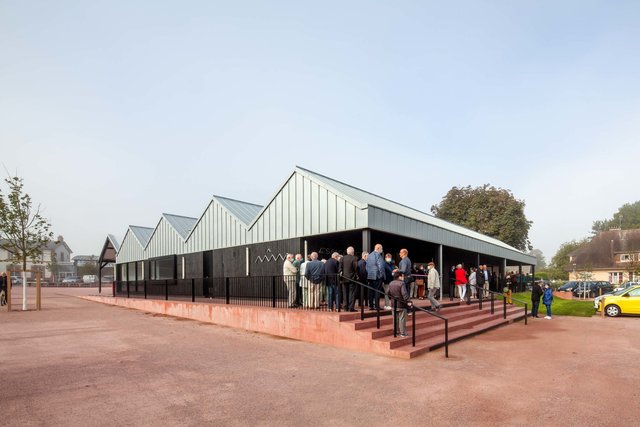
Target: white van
x=90 y=278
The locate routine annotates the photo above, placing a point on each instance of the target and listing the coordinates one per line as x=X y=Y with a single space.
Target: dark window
x=163 y=268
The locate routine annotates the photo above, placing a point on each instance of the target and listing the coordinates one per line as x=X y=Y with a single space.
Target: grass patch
x=561 y=307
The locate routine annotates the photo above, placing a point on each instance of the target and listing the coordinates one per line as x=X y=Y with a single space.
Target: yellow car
x=624 y=301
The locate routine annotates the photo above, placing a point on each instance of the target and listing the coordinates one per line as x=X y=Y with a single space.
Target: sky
x=114 y=112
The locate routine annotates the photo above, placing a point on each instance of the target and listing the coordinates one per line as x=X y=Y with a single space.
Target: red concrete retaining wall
x=563 y=294
x=310 y=326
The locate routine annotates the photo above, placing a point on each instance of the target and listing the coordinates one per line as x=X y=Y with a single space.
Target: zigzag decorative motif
x=268 y=258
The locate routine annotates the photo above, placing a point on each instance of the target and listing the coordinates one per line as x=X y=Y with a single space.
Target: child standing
x=547 y=299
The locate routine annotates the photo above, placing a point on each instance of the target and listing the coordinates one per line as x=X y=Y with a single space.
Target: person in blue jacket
x=547 y=299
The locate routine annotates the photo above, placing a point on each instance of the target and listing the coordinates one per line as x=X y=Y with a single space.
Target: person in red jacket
x=461 y=281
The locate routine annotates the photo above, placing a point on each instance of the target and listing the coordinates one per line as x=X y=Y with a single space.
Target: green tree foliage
x=488 y=210
x=23 y=232
x=627 y=217
x=560 y=265
x=542 y=262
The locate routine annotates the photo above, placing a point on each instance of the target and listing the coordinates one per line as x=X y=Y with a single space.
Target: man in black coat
x=349 y=270
x=536 y=294
x=362 y=278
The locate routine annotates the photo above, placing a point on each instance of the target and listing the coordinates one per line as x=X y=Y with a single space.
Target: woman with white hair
x=461 y=281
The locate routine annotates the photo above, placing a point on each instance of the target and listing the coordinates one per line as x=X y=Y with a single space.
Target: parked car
x=625 y=285
x=592 y=289
x=626 y=301
x=90 y=278
x=569 y=286
x=72 y=279
x=615 y=292
x=107 y=279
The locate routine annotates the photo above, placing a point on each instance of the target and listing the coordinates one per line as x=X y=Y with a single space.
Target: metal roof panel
x=143 y=234
x=371 y=199
x=245 y=212
x=182 y=224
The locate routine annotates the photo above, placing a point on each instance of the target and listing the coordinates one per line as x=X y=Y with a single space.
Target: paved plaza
x=80 y=363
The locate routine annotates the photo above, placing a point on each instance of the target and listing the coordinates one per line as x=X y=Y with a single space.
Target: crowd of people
x=335 y=281
x=473 y=283
x=311 y=283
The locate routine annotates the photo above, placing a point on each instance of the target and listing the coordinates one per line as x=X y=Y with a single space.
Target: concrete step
x=451 y=309
x=464 y=320
x=424 y=320
x=408 y=351
x=467 y=324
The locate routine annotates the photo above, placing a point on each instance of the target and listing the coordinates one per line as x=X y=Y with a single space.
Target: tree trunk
x=24 y=285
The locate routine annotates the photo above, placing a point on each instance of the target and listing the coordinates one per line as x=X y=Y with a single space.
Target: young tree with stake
x=23 y=233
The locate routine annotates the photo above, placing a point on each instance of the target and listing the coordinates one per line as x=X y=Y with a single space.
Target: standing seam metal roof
x=244 y=211
x=182 y=224
x=142 y=234
x=369 y=199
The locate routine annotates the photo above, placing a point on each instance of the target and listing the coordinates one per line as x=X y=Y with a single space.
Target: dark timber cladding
x=308 y=213
x=265 y=259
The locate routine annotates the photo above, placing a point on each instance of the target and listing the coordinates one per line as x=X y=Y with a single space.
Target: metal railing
x=395 y=314
x=266 y=291
x=492 y=297
x=269 y=291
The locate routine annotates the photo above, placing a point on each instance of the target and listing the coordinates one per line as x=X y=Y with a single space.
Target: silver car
x=625 y=285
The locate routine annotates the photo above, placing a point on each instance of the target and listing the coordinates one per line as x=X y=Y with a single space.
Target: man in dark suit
x=362 y=278
x=349 y=270
x=536 y=293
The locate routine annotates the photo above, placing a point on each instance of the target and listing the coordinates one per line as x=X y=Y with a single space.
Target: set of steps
x=464 y=321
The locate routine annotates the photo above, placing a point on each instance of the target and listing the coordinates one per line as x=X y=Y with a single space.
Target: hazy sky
x=114 y=112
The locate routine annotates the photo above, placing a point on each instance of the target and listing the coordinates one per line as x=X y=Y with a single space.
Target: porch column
x=519 y=278
x=100 y=277
x=366 y=240
x=533 y=274
x=504 y=273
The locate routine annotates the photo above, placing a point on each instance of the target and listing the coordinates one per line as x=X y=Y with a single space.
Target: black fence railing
x=331 y=293
x=328 y=294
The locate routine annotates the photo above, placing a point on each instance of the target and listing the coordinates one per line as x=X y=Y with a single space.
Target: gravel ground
x=79 y=363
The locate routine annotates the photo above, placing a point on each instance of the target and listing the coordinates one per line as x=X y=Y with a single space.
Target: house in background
x=612 y=256
x=54 y=263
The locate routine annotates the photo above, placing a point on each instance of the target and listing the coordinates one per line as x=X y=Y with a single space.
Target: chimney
x=613 y=260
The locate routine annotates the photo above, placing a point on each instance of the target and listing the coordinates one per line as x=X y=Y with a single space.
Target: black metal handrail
x=413 y=314
x=480 y=289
